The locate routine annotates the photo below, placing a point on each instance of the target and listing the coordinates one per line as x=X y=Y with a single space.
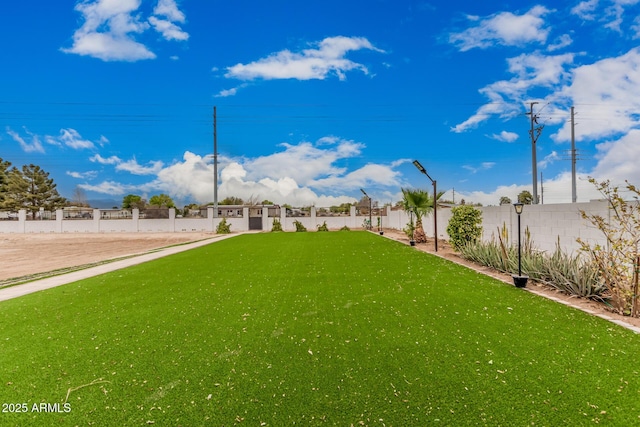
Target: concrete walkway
x=63 y=279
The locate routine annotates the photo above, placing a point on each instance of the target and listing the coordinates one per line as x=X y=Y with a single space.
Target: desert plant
x=277 y=226
x=323 y=227
x=223 y=227
x=299 y=226
x=464 y=226
x=572 y=275
x=617 y=262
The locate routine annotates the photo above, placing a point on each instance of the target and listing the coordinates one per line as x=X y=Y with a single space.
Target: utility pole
x=535 y=134
x=541 y=190
x=574 y=196
x=215 y=164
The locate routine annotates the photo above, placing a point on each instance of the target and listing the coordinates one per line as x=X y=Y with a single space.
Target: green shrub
x=464 y=226
x=345 y=228
x=299 y=226
x=276 y=225
x=223 y=227
x=323 y=227
x=409 y=230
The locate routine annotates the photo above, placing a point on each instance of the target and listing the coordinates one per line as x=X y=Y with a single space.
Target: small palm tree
x=420 y=203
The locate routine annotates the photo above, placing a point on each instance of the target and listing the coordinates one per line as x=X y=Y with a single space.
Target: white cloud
x=72 y=139
x=618 y=160
x=109 y=187
x=134 y=168
x=113 y=160
x=83 y=175
x=548 y=159
x=482 y=167
x=318 y=160
x=170 y=10
x=532 y=71
x=555 y=190
x=168 y=29
x=167 y=14
x=606 y=95
x=277 y=177
x=230 y=92
x=560 y=43
x=326 y=59
x=505 y=136
x=110 y=28
x=33 y=146
x=586 y=10
x=504 y=28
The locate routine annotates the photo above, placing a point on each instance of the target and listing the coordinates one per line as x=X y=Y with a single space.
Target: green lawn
x=334 y=328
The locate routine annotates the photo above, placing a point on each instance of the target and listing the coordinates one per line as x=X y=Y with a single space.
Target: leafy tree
x=32 y=189
x=464 y=226
x=4 y=179
x=162 y=201
x=525 y=197
x=420 y=203
x=267 y=202
x=232 y=201
x=133 y=201
x=504 y=200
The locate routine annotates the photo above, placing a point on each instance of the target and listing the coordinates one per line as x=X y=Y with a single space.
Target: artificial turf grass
x=331 y=328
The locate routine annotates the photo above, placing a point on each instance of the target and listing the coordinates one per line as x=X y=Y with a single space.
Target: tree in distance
x=31 y=189
x=525 y=197
x=162 y=201
x=504 y=200
x=133 y=201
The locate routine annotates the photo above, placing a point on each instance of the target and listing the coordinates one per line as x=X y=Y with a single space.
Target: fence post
x=210 y=218
x=96 y=220
x=283 y=217
x=59 y=219
x=352 y=216
x=22 y=221
x=135 y=217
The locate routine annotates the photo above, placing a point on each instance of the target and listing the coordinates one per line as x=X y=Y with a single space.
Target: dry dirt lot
x=29 y=254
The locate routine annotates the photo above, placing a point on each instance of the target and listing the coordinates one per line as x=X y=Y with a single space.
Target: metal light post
x=367 y=196
x=435 y=207
x=520 y=281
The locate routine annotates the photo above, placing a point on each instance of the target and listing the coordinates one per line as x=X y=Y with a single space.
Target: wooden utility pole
x=215 y=164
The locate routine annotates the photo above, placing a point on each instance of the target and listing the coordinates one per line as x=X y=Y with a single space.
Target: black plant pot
x=520 y=281
x=412 y=242
x=381 y=232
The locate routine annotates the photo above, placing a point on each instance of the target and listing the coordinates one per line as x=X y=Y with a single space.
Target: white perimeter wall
x=546 y=223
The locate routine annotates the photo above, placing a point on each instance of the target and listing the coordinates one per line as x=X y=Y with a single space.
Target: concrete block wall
x=546 y=223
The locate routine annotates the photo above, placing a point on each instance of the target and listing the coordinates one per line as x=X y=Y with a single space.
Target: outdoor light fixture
x=367 y=196
x=435 y=209
x=520 y=281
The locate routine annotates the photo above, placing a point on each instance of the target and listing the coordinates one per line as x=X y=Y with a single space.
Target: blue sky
x=316 y=100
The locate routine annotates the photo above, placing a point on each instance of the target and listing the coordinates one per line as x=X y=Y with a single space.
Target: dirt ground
x=29 y=254
x=445 y=251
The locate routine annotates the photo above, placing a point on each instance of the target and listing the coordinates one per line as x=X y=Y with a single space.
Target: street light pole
x=367 y=196
x=520 y=281
x=435 y=205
